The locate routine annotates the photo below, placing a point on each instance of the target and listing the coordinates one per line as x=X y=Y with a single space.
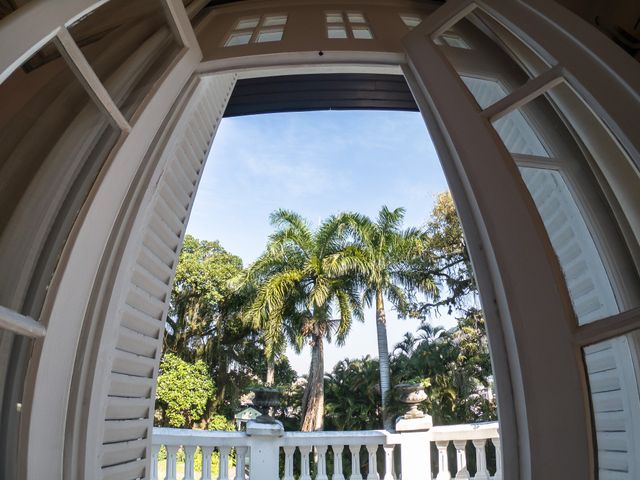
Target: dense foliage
x=183 y=391
x=304 y=293
x=228 y=326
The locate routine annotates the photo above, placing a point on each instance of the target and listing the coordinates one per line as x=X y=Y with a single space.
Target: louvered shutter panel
x=128 y=415
x=616 y=407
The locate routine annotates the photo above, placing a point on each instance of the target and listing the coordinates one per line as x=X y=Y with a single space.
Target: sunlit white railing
x=479 y=435
x=264 y=453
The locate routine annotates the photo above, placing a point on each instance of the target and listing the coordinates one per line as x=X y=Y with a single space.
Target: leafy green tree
x=304 y=294
x=205 y=323
x=353 y=395
x=183 y=391
x=442 y=261
x=455 y=369
x=200 y=291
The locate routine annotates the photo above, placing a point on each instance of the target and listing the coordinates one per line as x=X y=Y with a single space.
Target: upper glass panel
x=273 y=20
x=248 y=23
x=334 y=17
x=411 y=20
x=479 y=47
x=272 y=35
x=362 y=33
x=356 y=17
x=578 y=209
x=264 y=29
x=348 y=24
x=238 y=38
x=129 y=49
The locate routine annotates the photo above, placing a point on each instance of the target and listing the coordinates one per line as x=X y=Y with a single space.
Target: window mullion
x=536 y=161
x=530 y=90
x=607 y=328
x=20 y=324
x=179 y=23
x=89 y=80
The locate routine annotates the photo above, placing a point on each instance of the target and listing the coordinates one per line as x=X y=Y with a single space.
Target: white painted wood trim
x=32 y=26
x=530 y=90
x=89 y=80
x=20 y=324
x=182 y=24
x=523 y=268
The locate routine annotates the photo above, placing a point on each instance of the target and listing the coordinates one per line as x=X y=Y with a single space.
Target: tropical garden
x=229 y=325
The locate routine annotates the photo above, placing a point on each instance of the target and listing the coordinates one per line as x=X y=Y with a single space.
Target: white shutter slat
x=129 y=404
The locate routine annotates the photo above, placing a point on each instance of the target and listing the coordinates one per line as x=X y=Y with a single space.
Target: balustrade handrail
x=184 y=437
x=359 y=437
x=468 y=431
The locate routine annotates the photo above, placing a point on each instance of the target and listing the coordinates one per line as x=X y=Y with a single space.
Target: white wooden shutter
x=129 y=403
x=616 y=407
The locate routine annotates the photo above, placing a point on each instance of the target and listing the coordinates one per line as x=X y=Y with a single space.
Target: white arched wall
x=545 y=415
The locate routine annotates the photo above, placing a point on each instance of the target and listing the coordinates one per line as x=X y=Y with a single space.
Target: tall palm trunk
x=271 y=371
x=313 y=398
x=383 y=355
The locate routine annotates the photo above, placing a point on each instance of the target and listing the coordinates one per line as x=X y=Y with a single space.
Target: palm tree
x=302 y=280
x=386 y=253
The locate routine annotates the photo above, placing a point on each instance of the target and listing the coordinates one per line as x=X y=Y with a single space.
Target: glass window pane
x=411 y=21
x=578 y=208
x=129 y=49
x=455 y=41
x=336 y=32
x=356 y=17
x=273 y=20
x=269 y=36
x=247 y=23
x=362 y=33
x=479 y=47
x=334 y=17
x=238 y=39
x=613 y=372
x=48 y=126
x=486 y=92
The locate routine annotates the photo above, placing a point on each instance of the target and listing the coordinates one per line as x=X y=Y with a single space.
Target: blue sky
x=317 y=164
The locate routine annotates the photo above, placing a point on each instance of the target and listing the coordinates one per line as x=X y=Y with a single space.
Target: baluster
x=305 y=470
x=224 y=463
x=288 y=462
x=322 y=462
x=337 y=462
x=206 y=462
x=172 y=452
x=443 y=461
x=373 y=463
x=461 y=458
x=496 y=443
x=153 y=474
x=355 y=462
x=388 y=462
x=481 y=460
x=241 y=453
x=189 y=467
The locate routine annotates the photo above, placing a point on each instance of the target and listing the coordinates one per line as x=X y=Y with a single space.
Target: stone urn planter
x=265 y=399
x=412 y=394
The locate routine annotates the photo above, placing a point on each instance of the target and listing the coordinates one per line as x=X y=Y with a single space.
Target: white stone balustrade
x=322 y=453
x=479 y=435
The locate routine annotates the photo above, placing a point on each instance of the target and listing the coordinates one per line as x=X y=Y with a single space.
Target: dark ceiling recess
x=299 y=93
